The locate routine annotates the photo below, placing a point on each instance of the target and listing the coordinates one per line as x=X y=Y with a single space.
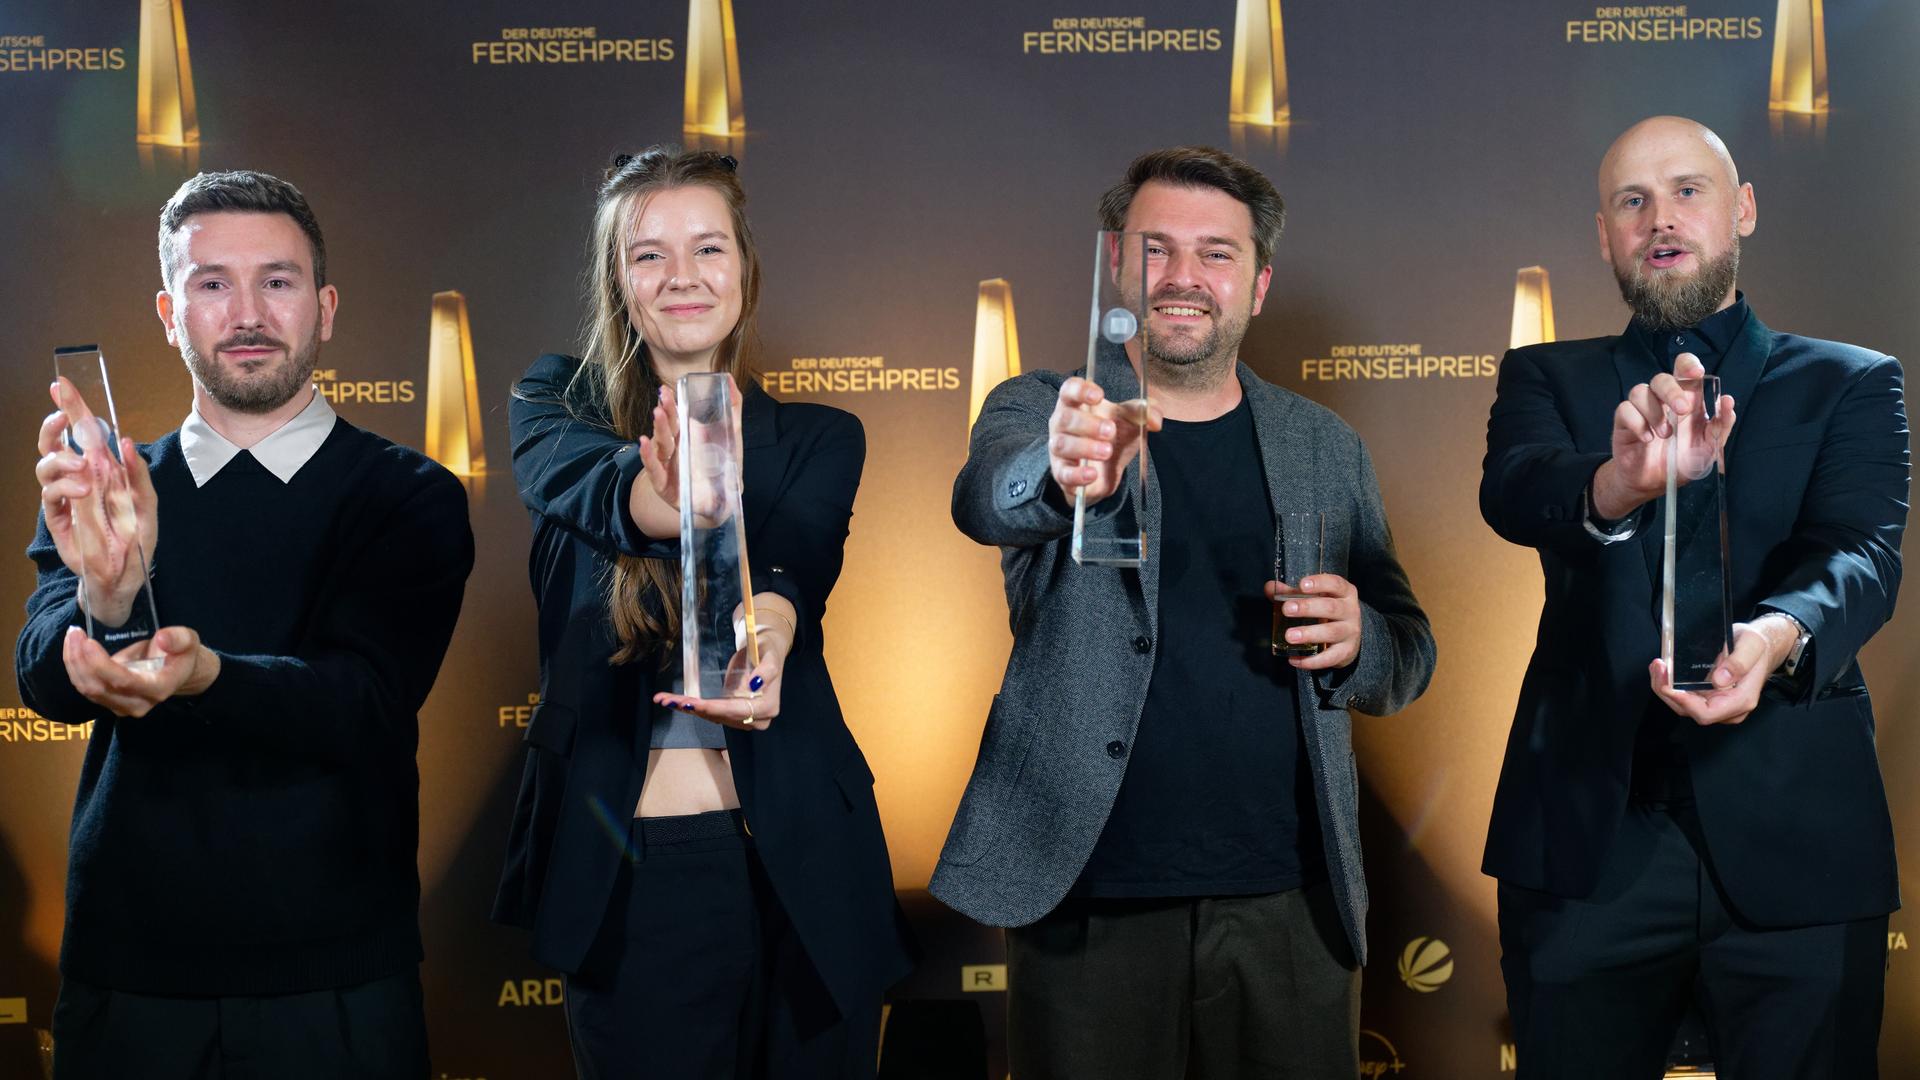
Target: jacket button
x=1016 y=488
x=1143 y=644
x=1116 y=749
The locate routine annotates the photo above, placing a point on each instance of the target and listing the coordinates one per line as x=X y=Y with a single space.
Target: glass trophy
x=1694 y=592
x=718 y=647
x=106 y=524
x=1107 y=533
x=1297 y=555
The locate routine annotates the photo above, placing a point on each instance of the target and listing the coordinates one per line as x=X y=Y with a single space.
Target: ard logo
x=1426 y=964
x=520 y=992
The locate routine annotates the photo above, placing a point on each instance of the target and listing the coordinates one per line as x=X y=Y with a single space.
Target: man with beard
x=1729 y=848
x=241 y=893
x=1163 y=814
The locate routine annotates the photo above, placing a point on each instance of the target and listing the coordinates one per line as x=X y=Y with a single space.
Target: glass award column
x=121 y=615
x=717 y=644
x=1107 y=533
x=1694 y=591
x=1299 y=554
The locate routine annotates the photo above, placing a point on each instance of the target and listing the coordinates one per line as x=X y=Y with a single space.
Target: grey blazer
x=1054 y=749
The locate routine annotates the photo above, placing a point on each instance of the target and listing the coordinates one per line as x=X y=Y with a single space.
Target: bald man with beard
x=1729 y=847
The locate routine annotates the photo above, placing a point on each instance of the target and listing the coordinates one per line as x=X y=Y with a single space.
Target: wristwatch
x=1790 y=667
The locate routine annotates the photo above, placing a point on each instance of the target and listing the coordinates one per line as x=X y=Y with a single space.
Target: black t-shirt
x=1217 y=799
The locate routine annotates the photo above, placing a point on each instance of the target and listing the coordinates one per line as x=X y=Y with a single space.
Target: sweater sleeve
x=371 y=652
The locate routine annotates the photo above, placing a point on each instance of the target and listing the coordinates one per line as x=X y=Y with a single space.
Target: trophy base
x=147 y=666
x=1692 y=685
x=1095 y=551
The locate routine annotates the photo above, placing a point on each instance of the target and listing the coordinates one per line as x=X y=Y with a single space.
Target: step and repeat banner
x=922 y=180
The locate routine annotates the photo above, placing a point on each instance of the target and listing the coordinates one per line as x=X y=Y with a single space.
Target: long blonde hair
x=643 y=595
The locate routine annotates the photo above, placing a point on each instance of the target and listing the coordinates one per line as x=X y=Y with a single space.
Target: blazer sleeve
x=1000 y=497
x=1533 y=481
x=571 y=468
x=1840 y=568
x=803 y=544
x=1397 y=654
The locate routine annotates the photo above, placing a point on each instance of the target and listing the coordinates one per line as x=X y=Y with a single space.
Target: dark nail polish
x=757 y=683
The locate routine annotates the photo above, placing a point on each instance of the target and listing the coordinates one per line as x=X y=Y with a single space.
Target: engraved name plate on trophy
x=1694 y=591
x=718 y=647
x=1107 y=533
x=120 y=615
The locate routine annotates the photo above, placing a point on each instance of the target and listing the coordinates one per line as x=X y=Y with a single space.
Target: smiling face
x=1672 y=212
x=682 y=277
x=1204 y=284
x=243 y=308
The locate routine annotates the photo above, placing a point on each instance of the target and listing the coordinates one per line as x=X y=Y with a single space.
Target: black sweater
x=260 y=838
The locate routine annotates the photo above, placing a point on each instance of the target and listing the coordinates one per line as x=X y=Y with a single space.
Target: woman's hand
x=760 y=683
x=655 y=504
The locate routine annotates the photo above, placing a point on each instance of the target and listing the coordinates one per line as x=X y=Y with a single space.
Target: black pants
x=1597 y=987
x=375 y=1031
x=1209 y=988
x=696 y=973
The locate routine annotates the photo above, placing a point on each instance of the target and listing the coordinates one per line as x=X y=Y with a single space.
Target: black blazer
x=1791 y=800
x=804 y=787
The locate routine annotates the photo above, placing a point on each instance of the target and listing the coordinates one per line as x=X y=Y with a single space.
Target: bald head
x=1668 y=140
x=1672 y=212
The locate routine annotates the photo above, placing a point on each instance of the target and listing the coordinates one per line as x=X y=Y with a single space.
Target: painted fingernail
x=756 y=683
x=687 y=705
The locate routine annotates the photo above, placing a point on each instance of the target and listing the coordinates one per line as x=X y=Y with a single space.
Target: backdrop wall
x=897 y=156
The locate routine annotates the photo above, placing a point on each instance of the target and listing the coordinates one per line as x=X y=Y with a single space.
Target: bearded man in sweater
x=242 y=898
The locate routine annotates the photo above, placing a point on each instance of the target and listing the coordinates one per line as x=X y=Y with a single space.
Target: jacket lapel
x=765 y=456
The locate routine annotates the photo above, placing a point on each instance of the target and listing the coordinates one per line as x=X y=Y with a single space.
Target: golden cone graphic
x=165 y=112
x=1259 y=65
x=1799 y=57
x=1532 y=307
x=996 y=343
x=453 y=397
x=713 y=71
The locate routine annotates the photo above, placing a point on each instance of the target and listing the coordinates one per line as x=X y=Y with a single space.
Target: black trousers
x=697 y=974
x=1597 y=986
x=375 y=1031
x=1206 y=988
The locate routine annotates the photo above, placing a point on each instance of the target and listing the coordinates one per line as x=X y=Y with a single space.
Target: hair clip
x=621 y=161
x=730 y=162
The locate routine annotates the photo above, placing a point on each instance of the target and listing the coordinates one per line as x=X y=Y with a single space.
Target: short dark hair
x=1202 y=166
x=242 y=191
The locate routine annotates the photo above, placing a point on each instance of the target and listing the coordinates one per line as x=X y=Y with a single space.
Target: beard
x=260 y=391
x=1667 y=301
x=1187 y=361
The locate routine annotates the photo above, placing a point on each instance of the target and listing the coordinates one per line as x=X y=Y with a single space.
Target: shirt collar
x=290 y=446
x=1717 y=332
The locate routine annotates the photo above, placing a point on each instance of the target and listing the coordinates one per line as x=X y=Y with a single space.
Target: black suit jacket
x=805 y=788
x=1791 y=800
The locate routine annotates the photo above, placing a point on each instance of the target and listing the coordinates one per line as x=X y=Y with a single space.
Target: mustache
x=252 y=340
x=1190 y=299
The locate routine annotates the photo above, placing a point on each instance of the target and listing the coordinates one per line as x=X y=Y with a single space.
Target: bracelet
x=793 y=631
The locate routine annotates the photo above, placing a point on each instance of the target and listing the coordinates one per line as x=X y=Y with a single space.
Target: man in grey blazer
x=1163 y=814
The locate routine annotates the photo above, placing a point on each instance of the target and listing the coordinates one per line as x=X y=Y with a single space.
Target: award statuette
x=1297 y=556
x=718 y=646
x=1693 y=578
x=106 y=524
x=1108 y=533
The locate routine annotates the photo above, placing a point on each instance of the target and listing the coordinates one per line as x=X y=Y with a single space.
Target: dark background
x=896 y=155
